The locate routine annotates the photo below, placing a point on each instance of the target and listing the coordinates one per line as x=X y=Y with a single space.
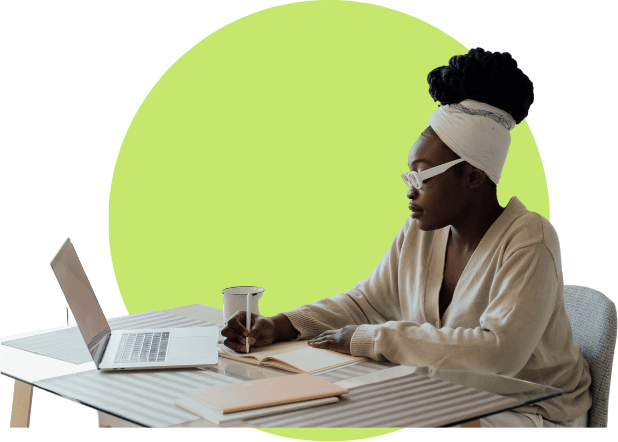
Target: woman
x=466 y=284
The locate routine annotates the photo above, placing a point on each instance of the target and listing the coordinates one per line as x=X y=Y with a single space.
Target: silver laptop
x=128 y=349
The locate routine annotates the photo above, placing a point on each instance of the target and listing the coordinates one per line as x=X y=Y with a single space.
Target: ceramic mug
x=235 y=298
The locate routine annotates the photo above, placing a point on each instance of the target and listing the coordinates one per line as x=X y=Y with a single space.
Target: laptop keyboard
x=143 y=347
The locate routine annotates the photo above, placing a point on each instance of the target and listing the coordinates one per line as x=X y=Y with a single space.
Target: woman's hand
x=336 y=340
x=262 y=332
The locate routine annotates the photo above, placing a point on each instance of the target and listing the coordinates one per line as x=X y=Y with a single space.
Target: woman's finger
x=320 y=340
x=240 y=348
x=229 y=332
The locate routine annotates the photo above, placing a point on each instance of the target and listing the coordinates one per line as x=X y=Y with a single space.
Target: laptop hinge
x=107 y=337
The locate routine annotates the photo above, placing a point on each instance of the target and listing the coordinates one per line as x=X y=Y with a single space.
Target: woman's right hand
x=262 y=332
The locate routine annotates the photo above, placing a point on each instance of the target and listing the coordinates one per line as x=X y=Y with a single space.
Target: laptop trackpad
x=190 y=347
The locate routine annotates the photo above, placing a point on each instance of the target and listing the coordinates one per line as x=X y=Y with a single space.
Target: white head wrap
x=477 y=132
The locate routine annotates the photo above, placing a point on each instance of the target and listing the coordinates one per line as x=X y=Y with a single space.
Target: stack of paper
x=205 y=412
x=263 y=397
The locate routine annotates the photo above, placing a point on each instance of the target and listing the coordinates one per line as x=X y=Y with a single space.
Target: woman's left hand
x=336 y=340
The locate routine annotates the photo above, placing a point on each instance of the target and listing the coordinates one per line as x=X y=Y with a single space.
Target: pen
x=248 y=319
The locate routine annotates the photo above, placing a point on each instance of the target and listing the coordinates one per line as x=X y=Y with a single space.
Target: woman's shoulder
x=525 y=228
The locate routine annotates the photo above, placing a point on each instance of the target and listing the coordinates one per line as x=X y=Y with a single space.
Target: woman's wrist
x=284 y=330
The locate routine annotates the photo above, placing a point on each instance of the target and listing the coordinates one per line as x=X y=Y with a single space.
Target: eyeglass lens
x=411 y=181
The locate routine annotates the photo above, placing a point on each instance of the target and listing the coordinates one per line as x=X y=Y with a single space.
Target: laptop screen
x=80 y=297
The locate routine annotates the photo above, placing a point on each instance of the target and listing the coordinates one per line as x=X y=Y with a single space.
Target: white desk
x=30 y=370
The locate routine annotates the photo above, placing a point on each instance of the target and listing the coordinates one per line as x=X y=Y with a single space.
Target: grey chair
x=593 y=321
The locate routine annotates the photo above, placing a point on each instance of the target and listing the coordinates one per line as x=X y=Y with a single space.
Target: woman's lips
x=414 y=208
x=416 y=211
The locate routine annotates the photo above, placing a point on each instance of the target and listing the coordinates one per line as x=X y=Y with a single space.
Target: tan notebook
x=294 y=356
x=267 y=392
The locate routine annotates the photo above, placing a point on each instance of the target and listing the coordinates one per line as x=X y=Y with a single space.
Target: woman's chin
x=424 y=225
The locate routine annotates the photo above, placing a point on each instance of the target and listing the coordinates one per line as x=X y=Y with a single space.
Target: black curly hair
x=489 y=77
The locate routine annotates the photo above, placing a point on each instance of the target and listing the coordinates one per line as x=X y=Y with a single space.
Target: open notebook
x=294 y=356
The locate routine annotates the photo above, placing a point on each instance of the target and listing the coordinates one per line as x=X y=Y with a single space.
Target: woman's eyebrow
x=420 y=160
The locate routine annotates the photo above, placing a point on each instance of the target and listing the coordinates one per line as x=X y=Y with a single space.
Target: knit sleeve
x=374 y=300
x=522 y=300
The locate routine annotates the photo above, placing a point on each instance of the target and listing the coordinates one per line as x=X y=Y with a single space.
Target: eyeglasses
x=416 y=178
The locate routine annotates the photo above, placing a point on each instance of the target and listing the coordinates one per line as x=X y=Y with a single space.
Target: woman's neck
x=482 y=213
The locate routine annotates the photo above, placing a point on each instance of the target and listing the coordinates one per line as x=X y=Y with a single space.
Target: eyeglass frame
x=419 y=177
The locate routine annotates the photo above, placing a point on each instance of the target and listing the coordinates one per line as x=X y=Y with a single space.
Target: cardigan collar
x=436 y=271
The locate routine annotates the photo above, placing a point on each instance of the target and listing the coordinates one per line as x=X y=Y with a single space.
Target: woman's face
x=442 y=199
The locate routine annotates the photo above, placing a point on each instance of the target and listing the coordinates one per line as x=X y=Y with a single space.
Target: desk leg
x=471 y=424
x=22 y=404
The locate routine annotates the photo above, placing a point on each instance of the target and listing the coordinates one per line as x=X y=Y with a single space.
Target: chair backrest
x=593 y=321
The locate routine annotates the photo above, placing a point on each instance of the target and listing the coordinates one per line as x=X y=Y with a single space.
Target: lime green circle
x=270 y=154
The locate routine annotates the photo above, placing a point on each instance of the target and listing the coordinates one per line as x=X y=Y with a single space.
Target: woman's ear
x=477 y=176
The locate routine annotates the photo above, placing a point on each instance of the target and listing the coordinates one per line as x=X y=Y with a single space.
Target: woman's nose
x=412 y=192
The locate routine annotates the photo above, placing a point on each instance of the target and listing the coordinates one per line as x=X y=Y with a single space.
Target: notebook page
x=273 y=350
x=312 y=360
